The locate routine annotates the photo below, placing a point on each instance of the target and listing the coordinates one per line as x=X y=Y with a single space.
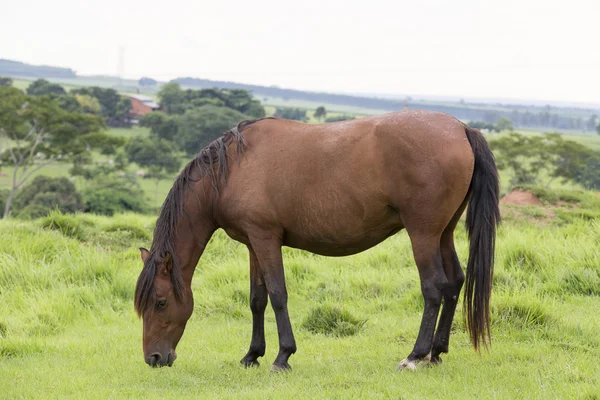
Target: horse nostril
x=154 y=359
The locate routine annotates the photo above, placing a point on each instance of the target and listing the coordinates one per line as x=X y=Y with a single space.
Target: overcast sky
x=533 y=49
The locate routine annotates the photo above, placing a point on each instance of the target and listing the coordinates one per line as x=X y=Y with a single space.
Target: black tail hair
x=483 y=216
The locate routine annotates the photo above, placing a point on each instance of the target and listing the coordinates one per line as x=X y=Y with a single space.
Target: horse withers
x=333 y=189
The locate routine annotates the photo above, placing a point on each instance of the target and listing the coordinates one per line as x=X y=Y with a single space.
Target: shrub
x=44 y=194
x=111 y=195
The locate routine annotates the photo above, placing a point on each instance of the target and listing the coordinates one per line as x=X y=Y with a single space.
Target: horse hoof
x=249 y=363
x=281 y=367
x=412 y=365
x=436 y=360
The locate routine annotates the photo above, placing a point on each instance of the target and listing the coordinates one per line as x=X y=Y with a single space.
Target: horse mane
x=212 y=161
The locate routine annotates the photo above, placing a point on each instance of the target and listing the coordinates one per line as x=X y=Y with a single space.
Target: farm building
x=142 y=105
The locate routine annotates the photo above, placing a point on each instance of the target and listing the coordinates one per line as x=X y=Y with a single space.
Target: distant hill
x=19 y=69
x=526 y=115
x=522 y=115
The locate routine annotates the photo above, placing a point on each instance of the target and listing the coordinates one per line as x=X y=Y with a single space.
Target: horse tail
x=483 y=216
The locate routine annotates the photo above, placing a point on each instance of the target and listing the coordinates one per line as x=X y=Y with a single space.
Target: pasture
x=68 y=330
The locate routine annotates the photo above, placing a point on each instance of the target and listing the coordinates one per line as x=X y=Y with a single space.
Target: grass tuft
x=330 y=320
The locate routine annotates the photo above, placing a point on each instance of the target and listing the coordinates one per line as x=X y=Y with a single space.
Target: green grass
x=68 y=330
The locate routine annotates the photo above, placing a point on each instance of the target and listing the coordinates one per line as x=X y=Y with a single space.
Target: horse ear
x=145 y=254
x=168 y=261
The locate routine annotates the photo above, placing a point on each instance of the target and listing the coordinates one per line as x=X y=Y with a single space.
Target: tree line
x=45 y=125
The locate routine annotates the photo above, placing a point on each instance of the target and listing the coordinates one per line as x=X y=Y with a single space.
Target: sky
x=515 y=49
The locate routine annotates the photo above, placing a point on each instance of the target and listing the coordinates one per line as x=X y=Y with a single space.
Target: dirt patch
x=520 y=198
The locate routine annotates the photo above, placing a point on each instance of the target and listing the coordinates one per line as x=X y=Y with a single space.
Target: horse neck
x=194 y=230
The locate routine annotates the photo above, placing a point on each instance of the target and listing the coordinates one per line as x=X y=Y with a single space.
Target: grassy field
x=68 y=330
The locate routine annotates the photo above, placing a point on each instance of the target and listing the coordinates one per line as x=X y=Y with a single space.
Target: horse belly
x=337 y=233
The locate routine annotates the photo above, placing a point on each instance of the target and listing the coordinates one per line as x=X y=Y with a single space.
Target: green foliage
x=296 y=114
x=320 y=112
x=39 y=132
x=200 y=126
x=329 y=320
x=69 y=103
x=157 y=154
x=106 y=143
x=89 y=104
x=339 y=118
x=113 y=108
x=175 y=100
x=161 y=125
x=504 y=124
x=4 y=193
x=42 y=87
x=526 y=157
x=108 y=195
x=44 y=194
x=5 y=81
x=172 y=98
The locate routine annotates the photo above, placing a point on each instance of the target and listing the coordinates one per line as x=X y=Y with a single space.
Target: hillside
x=19 y=69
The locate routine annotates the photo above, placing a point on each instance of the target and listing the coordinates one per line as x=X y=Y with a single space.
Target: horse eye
x=161 y=304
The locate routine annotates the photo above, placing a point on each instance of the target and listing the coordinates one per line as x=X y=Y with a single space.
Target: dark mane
x=212 y=161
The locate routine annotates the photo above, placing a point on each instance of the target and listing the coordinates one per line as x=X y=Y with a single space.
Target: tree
x=172 y=99
x=320 y=113
x=42 y=87
x=158 y=155
x=147 y=82
x=161 y=125
x=88 y=104
x=5 y=81
x=113 y=107
x=296 y=114
x=598 y=128
x=200 y=126
x=524 y=156
x=36 y=132
x=504 y=124
x=123 y=112
x=527 y=156
x=591 y=123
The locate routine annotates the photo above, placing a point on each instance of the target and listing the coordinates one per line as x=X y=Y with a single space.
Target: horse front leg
x=268 y=253
x=258 y=304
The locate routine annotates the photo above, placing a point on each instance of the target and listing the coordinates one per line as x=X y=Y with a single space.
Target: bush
x=111 y=195
x=44 y=194
x=332 y=321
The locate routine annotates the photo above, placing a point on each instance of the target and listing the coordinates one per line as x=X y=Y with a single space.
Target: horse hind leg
x=428 y=257
x=456 y=278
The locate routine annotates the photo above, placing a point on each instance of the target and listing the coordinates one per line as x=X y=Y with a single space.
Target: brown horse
x=333 y=189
